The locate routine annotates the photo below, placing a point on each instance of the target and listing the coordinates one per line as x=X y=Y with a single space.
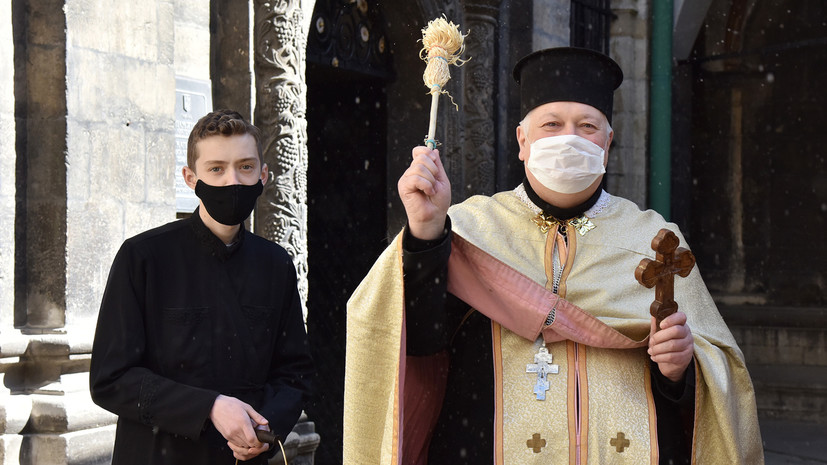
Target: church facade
x=96 y=100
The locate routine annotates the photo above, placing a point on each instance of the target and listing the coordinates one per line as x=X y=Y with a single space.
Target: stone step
x=779 y=335
x=790 y=392
x=785 y=349
x=793 y=442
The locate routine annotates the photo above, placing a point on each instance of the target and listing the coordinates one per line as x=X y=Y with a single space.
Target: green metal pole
x=660 y=109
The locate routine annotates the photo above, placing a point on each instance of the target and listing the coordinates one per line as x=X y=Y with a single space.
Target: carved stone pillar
x=480 y=109
x=280 y=40
x=281 y=91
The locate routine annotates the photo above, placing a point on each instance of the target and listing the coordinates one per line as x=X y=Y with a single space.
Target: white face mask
x=566 y=164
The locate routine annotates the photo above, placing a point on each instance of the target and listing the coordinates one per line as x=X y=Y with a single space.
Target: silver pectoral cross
x=542 y=366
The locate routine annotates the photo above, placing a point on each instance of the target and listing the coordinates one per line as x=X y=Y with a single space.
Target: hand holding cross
x=669 y=260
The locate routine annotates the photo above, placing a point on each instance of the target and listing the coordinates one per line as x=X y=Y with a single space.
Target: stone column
x=281 y=94
x=230 y=56
x=40 y=280
x=280 y=42
x=480 y=78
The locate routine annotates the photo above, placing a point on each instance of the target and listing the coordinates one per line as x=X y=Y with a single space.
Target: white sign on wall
x=193 y=99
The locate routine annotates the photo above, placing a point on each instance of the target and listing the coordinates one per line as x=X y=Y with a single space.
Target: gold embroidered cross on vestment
x=536 y=443
x=620 y=443
x=582 y=224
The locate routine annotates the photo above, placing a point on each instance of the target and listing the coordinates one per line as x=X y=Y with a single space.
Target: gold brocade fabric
x=372 y=363
x=602 y=283
x=613 y=391
x=522 y=414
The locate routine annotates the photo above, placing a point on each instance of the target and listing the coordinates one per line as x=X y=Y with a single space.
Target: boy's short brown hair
x=220 y=123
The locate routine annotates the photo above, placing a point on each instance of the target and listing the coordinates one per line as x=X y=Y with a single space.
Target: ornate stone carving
x=280 y=112
x=350 y=35
x=281 y=96
x=479 y=105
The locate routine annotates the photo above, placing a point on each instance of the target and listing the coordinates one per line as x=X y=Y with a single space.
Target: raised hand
x=426 y=193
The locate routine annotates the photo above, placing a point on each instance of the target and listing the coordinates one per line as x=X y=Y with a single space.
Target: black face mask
x=229 y=205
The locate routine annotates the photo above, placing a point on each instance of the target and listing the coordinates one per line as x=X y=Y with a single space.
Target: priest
x=511 y=329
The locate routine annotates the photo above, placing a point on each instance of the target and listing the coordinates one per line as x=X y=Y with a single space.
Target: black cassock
x=185 y=318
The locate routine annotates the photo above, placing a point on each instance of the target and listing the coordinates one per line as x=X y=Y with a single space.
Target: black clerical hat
x=567 y=74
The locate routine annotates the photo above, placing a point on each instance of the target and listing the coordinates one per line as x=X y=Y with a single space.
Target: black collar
x=561 y=214
x=215 y=246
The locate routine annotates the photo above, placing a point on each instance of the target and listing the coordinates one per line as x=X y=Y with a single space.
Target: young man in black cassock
x=200 y=337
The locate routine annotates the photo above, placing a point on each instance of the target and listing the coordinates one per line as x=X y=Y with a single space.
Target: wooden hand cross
x=669 y=261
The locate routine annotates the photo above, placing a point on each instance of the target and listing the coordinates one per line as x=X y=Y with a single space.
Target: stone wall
x=120 y=175
x=120 y=162
x=629 y=46
x=551 y=24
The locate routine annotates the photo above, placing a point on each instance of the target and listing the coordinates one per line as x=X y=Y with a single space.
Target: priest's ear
x=521 y=141
x=610 y=139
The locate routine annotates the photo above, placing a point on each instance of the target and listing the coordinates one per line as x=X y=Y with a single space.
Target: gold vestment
x=599 y=407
